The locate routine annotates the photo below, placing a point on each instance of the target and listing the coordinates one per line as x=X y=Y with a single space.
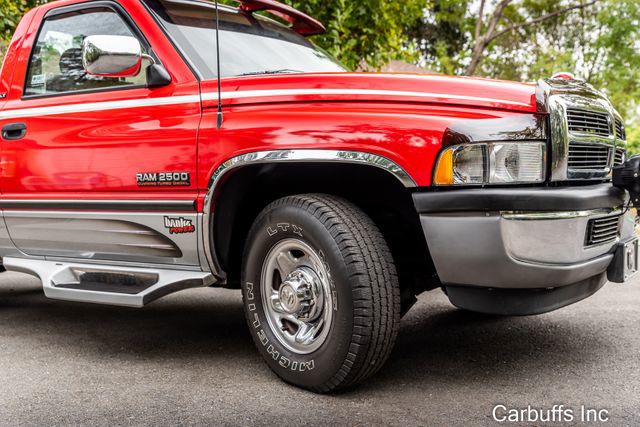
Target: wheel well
x=244 y=193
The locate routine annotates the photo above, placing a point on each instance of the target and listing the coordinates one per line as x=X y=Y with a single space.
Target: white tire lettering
x=284 y=227
x=307 y=366
x=284 y=362
x=250 y=295
x=263 y=337
x=273 y=352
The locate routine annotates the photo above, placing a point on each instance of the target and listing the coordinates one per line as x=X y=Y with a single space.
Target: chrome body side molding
x=77 y=282
x=291 y=156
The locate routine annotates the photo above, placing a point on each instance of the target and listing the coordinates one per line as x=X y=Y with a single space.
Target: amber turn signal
x=444 y=170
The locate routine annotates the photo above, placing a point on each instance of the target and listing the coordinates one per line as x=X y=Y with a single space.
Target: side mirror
x=120 y=56
x=112 y=56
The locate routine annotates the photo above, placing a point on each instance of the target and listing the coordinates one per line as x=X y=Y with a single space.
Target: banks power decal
x=179 y=225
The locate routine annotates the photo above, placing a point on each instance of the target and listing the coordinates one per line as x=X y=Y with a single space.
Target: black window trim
x=88 y=5
x=173 y=42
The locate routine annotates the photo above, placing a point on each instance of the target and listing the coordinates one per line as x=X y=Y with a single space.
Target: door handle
x=14 y=131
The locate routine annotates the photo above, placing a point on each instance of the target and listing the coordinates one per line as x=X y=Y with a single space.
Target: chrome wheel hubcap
x=296 y=296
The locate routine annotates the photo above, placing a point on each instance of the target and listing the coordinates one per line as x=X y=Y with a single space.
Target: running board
x=124 y=286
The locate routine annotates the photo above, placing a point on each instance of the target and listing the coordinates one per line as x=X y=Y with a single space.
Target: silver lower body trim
x=523 y=250
x=114 y=237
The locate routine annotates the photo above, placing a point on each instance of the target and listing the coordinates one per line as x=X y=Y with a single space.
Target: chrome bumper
x=529 y=250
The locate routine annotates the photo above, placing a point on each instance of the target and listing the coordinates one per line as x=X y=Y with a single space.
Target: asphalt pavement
x=188 y=359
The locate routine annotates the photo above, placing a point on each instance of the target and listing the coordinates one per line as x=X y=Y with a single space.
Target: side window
x=56 y=61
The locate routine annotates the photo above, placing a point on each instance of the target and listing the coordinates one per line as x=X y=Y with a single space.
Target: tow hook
x=625 y=259
x=627 y=177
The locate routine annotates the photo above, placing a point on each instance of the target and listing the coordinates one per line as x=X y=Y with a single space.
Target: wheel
x=320 y=292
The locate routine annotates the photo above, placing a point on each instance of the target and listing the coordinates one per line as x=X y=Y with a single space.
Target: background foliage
x=599 y=40
x=10 y=13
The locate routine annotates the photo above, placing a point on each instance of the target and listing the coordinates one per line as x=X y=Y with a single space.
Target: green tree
x=443 y=34
x=508 y=17
x=491 y=38
x=531 y=39
x=370 y=31
x=11 y=11
x=359 y=32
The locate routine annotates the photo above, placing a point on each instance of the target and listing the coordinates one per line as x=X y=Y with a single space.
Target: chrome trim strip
x=230 y=96
x=291 y=156
x=101 y=262
x=129 y=205
x=536 y=216
x=356 y=157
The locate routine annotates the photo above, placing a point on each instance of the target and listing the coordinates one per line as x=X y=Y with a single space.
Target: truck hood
x=373 y=87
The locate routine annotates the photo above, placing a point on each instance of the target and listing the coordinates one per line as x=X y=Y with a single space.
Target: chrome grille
x=621 y=133
x=584 y=130
x=619 y=157
x=603 y=230
x=584 y=156
x=588 y=122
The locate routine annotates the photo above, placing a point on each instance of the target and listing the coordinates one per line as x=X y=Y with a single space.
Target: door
x=99 y=168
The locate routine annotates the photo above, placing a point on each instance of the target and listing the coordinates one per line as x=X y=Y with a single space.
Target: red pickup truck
x=332 y=199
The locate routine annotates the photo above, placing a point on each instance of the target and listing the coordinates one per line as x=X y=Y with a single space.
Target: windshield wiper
x=265 y=72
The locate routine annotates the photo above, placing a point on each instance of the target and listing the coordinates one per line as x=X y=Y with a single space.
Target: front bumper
x=532 y=238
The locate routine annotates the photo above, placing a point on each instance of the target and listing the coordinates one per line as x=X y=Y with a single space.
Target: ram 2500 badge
x=331 y=199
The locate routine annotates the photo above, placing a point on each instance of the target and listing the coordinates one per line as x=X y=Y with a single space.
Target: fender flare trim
x=291 y=156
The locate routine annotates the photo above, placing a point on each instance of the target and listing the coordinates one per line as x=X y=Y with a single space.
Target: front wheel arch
x=242 y=194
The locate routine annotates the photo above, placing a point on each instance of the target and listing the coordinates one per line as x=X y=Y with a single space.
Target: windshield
x=249 y=44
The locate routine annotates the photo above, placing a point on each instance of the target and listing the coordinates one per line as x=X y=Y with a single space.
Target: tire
x=341 y=297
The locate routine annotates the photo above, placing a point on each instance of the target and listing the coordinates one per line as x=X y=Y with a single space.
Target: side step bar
x=104 y=284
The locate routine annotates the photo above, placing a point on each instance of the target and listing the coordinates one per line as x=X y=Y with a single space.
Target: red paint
x=93 y=154
x=97 y=154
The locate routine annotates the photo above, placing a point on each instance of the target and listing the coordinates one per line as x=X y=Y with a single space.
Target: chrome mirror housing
x=112 y=56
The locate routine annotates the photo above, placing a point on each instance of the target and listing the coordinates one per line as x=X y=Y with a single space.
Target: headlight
x=497 y=163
